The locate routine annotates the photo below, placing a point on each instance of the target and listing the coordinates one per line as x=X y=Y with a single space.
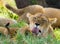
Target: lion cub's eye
x=44 y=20
x=35 y=18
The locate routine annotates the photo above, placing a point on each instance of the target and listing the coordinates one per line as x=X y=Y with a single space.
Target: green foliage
x=57 y=33
x=12 y=15
x=11 y=2
x=19 y=24
x=33 y=1
x=6 y=13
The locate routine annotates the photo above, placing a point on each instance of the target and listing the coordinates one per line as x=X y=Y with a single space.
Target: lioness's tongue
x=35 y=30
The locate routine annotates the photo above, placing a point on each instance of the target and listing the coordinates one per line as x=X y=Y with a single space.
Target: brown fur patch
x=4 y=21
x=53 y=13
x=4 y=31
x=12 y=31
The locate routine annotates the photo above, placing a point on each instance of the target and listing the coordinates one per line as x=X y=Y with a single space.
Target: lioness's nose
x=37 y=24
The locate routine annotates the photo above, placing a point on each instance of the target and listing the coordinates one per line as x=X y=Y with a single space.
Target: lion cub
x=33 y=9
x=39 y=24
x=49 y=12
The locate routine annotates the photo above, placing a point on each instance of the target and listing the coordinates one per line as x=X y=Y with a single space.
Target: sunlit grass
x=57 y=33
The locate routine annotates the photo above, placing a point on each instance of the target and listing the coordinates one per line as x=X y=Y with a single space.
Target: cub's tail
x=17 y=11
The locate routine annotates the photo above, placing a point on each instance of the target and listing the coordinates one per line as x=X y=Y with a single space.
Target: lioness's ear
x=52 y=20
x=28 y=15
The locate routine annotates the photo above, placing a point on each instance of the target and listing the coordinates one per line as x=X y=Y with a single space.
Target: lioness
x=39 y=24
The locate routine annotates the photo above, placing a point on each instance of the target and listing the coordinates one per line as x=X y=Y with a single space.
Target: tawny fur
x=25 y=29
x=4 y=21
x=33 y=9
x=12 y=31
x=53 y=13
x=4 y=31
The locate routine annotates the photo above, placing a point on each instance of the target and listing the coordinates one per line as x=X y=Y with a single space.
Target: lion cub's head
x=40 y=23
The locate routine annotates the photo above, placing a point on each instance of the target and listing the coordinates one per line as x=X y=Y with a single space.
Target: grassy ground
x=22 y=39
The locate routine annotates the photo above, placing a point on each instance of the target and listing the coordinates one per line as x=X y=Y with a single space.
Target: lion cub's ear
x=29 y=15
x=52 y=20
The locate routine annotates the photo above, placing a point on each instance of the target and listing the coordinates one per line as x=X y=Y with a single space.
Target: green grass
x=21 y=39
x=57 y=33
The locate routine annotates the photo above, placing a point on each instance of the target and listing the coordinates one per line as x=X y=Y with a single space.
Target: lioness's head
x=40 y=22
